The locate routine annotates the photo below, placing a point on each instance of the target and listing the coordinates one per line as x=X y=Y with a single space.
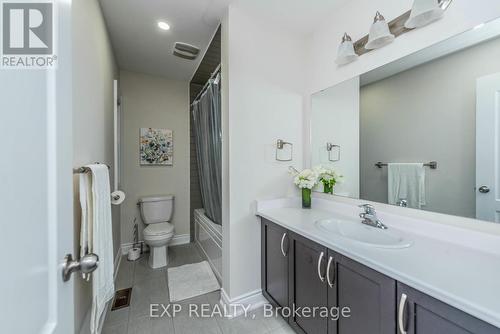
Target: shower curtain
x=207 y=131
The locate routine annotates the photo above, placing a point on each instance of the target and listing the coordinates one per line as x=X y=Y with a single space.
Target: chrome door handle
x=401 y=311
x=86 y=265
x=322 y=278
x=484 y=189
x=330 y=282
x=282 y=240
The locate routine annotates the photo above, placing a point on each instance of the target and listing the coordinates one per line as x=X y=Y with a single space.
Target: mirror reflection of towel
x=406 y=181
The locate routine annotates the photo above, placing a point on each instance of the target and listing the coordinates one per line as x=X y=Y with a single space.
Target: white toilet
x=156 y=212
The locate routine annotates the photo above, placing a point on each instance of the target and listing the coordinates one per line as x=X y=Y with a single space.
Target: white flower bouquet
x=306 y=180
x=328 y=177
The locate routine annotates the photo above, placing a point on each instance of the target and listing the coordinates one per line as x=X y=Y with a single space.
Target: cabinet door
x=308 y=287
x=371 y=297
x=274 y=253
x=332 y=282
x=419 y=313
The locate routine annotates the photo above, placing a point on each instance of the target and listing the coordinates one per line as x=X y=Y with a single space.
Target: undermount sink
x=367 y=235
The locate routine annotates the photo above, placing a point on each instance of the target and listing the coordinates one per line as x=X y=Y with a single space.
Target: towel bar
x=82 y=170
x=432 y=164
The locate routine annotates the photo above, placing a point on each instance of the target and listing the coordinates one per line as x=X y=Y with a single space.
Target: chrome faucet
x=370 y=218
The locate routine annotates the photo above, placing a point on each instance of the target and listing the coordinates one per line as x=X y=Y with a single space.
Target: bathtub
x=208 y=238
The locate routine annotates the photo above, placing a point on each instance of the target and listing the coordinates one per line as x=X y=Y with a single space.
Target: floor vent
x=122 y=299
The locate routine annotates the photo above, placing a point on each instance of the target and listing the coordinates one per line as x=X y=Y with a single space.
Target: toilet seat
x=158 y=230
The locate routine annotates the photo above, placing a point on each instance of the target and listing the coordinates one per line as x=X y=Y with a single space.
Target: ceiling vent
x=186 y=51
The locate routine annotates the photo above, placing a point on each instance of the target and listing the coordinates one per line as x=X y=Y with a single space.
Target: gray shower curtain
x=207 y=131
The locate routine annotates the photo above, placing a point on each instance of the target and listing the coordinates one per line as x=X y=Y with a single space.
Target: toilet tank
x=156 y=209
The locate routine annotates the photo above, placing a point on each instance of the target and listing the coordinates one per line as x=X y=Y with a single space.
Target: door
x=308 y=286
x=370 y=296
x=488 y=148
x=275 y=247
x=36 y=192
x=422 y=314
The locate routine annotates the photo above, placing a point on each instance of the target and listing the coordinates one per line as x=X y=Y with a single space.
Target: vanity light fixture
x=424 y=12
x=380 y=35
x=163 y=25
x=346 y=54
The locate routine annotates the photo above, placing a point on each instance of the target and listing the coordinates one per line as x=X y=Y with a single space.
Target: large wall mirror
x=422 y=132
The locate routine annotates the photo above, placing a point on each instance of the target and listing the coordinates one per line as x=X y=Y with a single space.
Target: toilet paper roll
x=117 y=197
x=134 y=254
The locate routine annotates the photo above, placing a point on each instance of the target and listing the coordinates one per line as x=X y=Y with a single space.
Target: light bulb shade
x=380 y=35
x=424 y=12
x=346 y=53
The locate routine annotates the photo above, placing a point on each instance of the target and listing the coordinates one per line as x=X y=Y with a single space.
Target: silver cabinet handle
x=322 y=278
x=401 y=312
x=282 y=240
x=86 y=265
x=330 y=281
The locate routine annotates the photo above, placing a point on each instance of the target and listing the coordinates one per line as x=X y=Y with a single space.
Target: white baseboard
x=178 y=239
x=253 y=300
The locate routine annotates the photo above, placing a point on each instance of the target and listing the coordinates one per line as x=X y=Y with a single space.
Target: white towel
x=406 y=181
x=101 y=244
x=85 y=181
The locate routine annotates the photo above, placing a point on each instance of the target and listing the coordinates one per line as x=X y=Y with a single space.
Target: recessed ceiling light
x=163 y=25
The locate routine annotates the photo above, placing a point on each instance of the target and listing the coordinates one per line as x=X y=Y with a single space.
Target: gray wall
x=93 y=72
x=155 y=102
x=423 y=114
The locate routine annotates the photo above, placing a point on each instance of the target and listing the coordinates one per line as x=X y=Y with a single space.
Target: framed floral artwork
x=156 y=147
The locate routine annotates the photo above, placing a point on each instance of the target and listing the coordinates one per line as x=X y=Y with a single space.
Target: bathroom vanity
x=393 y=281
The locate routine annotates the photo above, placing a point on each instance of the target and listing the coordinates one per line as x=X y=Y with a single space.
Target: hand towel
x=101 y=244
x=406 y=181
x=85 y=182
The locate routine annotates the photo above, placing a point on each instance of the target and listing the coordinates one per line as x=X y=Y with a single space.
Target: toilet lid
x=159 y=229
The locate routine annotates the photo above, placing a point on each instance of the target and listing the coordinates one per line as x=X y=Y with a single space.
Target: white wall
x=262 y=101
x=94 y=69
x=356 y=17
x=335 y=119
x=155 y=102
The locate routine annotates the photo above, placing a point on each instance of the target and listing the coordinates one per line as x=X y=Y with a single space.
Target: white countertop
x=457 y=266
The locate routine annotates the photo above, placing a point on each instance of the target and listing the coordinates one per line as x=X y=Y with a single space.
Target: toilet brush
x=135 y=253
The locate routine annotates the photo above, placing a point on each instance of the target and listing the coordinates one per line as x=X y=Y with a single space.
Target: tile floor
x=150 y=286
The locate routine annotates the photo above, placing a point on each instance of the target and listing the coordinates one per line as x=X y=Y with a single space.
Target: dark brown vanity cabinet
x=419 y=313
x=298 y=273
x=274 y=262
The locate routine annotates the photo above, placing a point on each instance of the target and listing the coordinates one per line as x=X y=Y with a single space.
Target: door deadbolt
x=484 y=189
